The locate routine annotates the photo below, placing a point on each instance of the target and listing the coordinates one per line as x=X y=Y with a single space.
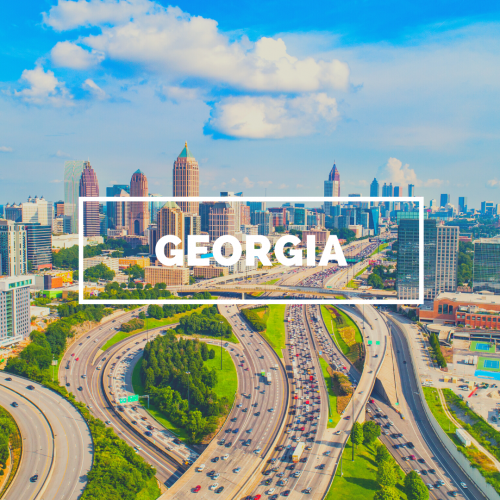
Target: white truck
x=268 y=379
x=463 y=436
x=297 y=453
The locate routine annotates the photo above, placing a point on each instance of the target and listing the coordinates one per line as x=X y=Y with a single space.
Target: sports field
x=482 y=347
x=490 y=364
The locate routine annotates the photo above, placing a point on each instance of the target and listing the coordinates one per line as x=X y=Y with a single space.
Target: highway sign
x=377 y=342
x=133 y=398
x=122 y=400
x=370 y=342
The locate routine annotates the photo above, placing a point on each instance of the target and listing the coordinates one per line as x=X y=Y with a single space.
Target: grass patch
x=359 y=481
x=150 y=492
x=379 y=249
x=275 y=331
x=271 y=282
x=332 y=397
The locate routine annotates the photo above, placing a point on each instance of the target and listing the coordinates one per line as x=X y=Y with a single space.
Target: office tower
x=154 y=207
x=192 y=225
x=445 y=199
x=72 y=173
x=221 y=220
x=332 y=189
x=374 y=219
x=279 y=216
x=38 y=246
x=15 y=313
x=186 y=180
x=103 y=220
x=61 y=224
x=170 y=221
x=1 y=212
x=13 y=258
x=120 y=212
x=58 y=208
x=112 y=191
x=89 y=186
x=387 y=190
x=374 y=191
x=245 y=217
x=237 y=207
x=205 y=208
x=407 y=280
x=340 y=221
x=152 y=235
x=487 y=265
x=139 y=210
x=38 y=210
x=256 y=205
x=14 y=212
x=411 y=190
x=300 y=217
x=462 y=204
x=264 y=220
x=488 y=208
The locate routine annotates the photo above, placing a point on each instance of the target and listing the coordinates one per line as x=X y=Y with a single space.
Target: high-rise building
x=205 y=208
x=256 y=205
x=462 y=204
x=120 y=212
x=398 y=191
x=237 y=207
x=192 y=226
x=332 y=189
x=111 y=208
x=221 y=220
x=374 y=191
x=264 y=220
x=15 y=314
x=61 y=224
x=72 y=173
x=245 y=217
x=38 y=210
x=58 y=208
x=279 y=216
x=154 y=207
x=487 y=265
x=407 y=280
x=411 y=190
x=186 y=180
x=444 y=200
x=89 y=186
x=38 y=246
x=387 y=192
x=170 y=221
x=14 y=212
x=488 y=208
x=139 y=210
x=13 y=257
x=1 y=212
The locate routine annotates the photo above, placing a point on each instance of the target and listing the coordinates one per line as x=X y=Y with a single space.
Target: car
x=80 y=388
x=270 y=491
x=238 y=469
x=8 y=379
x=432 y=471
x=347 y=418
x=235 y=431
x=72 y=354
x=225 y=457
x=453 y=493
x=150 y=427
x=286 y=493
x=413 y=457
x=463 y=485
x=215 y=459
x=14 y=404
x=149 y=433
x=67 y=384
x=430 y=486
x=337 y=433
x=34 y=478
x=31 y=387
x=421 y=460
x=198 y=488
x=213 y=486
x=108 y=422
x=215 y=476
x=76 y=359
x=220 y=489
x=308 y=490
x=256 y=497
x=257 y=451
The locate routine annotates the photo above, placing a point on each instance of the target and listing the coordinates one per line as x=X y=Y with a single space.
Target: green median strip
x=333 y=416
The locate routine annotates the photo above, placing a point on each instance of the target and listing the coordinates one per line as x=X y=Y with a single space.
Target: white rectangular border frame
x=281 y=199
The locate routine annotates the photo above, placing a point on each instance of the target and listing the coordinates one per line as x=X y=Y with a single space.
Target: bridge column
x=243 y=296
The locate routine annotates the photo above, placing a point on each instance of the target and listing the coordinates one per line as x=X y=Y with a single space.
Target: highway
x=79 y=369
x=57 y=445
x=259 y=409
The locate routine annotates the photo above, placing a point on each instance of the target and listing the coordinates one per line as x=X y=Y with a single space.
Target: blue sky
x=268 y=95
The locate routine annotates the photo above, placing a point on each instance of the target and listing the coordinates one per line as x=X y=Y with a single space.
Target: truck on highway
x=263 y=373
x=463 y=436
x=268 y=378
x=297 y=453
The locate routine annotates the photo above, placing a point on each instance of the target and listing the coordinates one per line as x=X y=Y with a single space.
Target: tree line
x=259 y=324
x=7 y=431
x=207 y=322
x=434 y=342
x=173 y=370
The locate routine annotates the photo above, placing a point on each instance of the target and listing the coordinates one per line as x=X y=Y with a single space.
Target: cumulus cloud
x=283 y=186
x=493 y=183
x=394 y=171
x=248 y=183
x=44 y=88
x=258 y=117
x=171 y=42
x=70 y=55
x=179 y=94
x=94 y=89
x=5 y=149
x=62 y=154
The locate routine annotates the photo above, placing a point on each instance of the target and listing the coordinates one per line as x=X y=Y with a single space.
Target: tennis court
x=489 y=364
x=482 y=347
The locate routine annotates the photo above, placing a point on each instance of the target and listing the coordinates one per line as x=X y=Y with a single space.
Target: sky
x=267 y=94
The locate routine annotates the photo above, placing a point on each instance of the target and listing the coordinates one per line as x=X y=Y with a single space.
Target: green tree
x=101 y=271
x=371 y=431
x=387 y=474
x=155 y=311
x=415 y=488
x=357 y=434
x=387 y=493
x=382 y=454
x=375 y=281
x=142 y=315
x=135 y=272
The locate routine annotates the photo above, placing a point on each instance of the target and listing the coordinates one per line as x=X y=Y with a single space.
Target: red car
x=372 y=401
x=77 y=359
x=302 y=428
x=413 y=457
x=347 y=418
x=198 y=488
x=257 y=497
x=72 y=354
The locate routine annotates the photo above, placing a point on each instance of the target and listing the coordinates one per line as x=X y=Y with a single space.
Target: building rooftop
x=470 y=298
x=185 y=153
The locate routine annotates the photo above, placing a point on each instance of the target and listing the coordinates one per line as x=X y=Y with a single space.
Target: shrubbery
x=434 y=342
x=208 y=322
x=253 y=318
x=133 y=324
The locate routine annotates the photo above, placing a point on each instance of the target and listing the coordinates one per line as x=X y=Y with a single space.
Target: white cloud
x=248 y=183
x=264 y=184
x=283 y=186
x=493 y=183
x=179 y=94
x=62 y=154
x=70 y=55
x=94 y=89
x=5 y=149
x=273 y=117
x=171 y=42
x=400 y=175
x=44 y=88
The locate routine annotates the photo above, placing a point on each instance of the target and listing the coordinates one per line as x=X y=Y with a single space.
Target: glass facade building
x=39 y=246
x=407 y=280
x=72 y=173
x=487 y=265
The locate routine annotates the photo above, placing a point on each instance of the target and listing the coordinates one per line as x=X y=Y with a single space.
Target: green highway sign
x=133 y=398
x=377 y=342
x=369 y=342
x=122 y=400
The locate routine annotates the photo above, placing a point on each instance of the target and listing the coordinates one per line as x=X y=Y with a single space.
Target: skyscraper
x=411 y=190
x=221 y=220
x=332 y=189
x=186 y=180
x=487 y=265
x=264 y=220
x=462 y=204
x=374 y=189
x=38 y=246
x=170 y=221
x=38 y=210
x=120 y=212
x=237 y=207
x=89 y=186
x=192 y=226
x=139 y=210
x=488 y=208
x=111 y=206
x=72 y=173
x=13 y=258
x=445 y=199
x=407 y=280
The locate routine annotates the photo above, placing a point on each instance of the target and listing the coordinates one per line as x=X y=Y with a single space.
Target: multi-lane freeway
x=57 y=446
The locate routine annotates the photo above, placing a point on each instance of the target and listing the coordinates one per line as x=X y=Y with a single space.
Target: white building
x=111 y=262
x=69 y=240
x=38 y=210
x=13 y=256
x=15 y=313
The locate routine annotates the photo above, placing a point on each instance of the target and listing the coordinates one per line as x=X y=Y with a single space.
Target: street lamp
x=188 y=373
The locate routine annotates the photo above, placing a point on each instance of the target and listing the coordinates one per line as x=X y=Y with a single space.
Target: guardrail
x=474 y=475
